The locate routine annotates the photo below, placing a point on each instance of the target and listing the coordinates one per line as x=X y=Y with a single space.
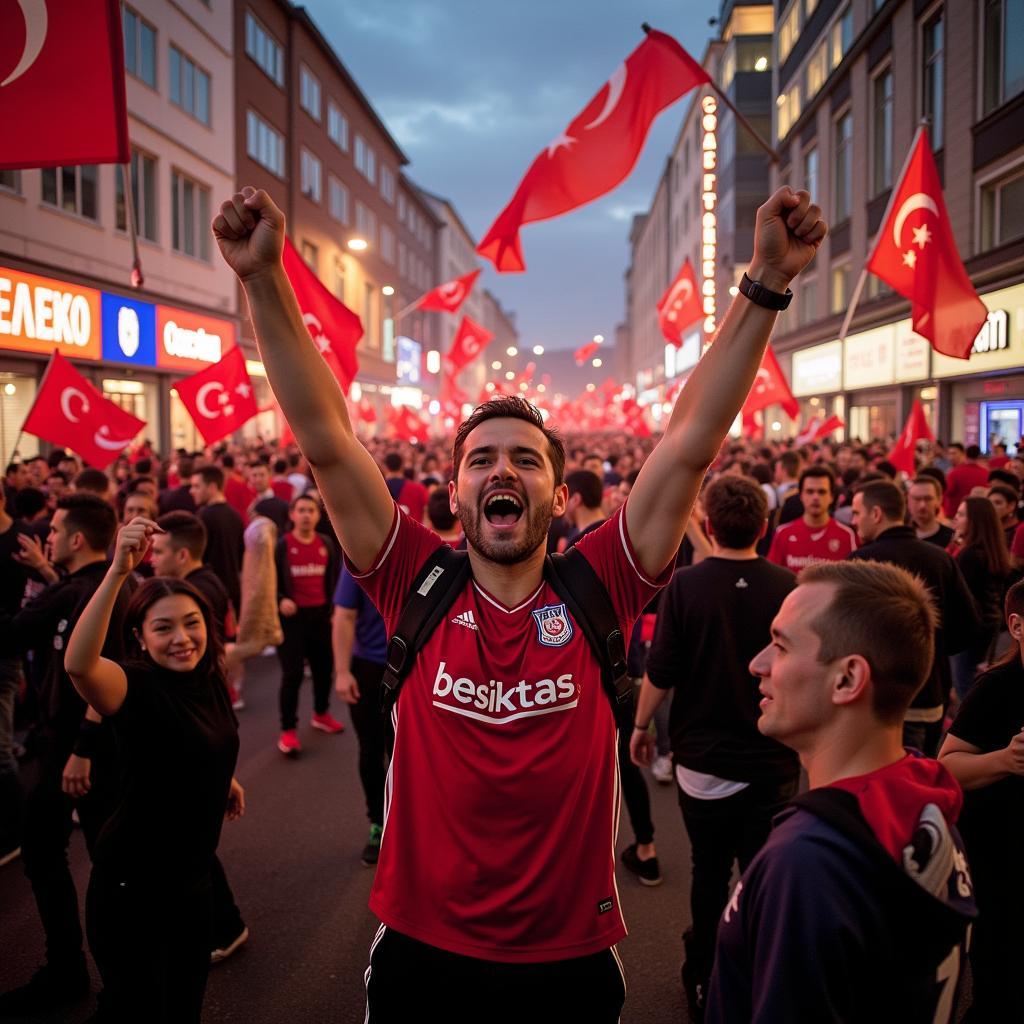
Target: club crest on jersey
x=553 y=626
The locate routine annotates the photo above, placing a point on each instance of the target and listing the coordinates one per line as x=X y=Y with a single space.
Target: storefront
x=131 y=349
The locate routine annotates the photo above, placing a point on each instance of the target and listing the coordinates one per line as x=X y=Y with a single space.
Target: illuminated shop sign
x=409 y=361
x=129 y=331
x=38 y=314
x=709 y=204
x=190 y=341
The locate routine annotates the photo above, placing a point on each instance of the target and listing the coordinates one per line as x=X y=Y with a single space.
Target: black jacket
x=958 y=613
x=284 y=578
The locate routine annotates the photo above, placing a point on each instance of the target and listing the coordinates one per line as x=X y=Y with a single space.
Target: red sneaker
x=288 y=743
x=327 y=723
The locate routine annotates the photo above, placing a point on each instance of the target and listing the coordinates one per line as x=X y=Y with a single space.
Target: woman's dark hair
x=984 y=531
x=145 y=597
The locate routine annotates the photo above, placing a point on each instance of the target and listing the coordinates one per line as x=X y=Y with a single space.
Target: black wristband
x=88 y=738
x=757 y=293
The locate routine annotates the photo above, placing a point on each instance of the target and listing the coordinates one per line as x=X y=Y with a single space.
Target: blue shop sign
x=129 y=330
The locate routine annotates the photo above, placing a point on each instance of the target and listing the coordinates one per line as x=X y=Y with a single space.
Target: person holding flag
x=496 y=866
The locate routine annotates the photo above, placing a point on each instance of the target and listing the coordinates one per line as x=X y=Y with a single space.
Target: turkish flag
x=62 y=99
x=447 y=297
x=680 y=305
x=819 y=427
x=334 y=328
x=916 y=255
x=70 y=412
x=469 y=342
x=771 y=388
x=220 y=399
x=406 y=424
x=584 y=352
x=915 y=429
x=636 y=421
x=600 y=147
x=366 y=412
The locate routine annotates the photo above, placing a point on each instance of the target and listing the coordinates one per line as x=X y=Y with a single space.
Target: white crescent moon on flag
x=918 y=201
x=615 y=86
x=762 y=379
x=65 y=403
x=34 y=13
x=101 y=440
x=452 y=290
x=685 y=285
x=201 y=395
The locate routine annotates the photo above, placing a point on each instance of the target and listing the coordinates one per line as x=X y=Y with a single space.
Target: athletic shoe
x=12 y=853
x=661 y=769
x=237 y=700
x=48 y=989
x=232 y=945
x=647 y=871
x=327 y=723
x=371 y=851
x=288 y=742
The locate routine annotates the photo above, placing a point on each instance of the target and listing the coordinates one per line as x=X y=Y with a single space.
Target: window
x=789 y=31
x=787 y=110
x=401 y=208
x=366 y=160
x=387 y=244
x=366 y=223
x=143 y=196
x=337 y=126
x=190 y=86
x=11 y=181
x=309 y=92
x=841 y=37
x=190 y=217
x=264 y=49
x=372 y=335
x=403 y=260
x=1002 y=210
x=310 y=255
x=881 y=165
x=1002 y=58
x=811 y=174
x=806 y=304
x=817 y=70
x=843 y=190
x=310 y=176
x=264 y=144
x=932 y=77
x=387 y=185
x=840 y=290
x=338 y=199
x=73 y=189
x=339 y=280
x=139 y=47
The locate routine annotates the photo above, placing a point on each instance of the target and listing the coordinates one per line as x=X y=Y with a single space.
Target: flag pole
x=406 y=310
x=129 y=201
x=847 y=320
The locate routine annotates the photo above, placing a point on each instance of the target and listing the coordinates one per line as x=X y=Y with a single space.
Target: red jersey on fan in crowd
x=238 y=494
x=502 y=799
x=307 y=566
x=797 y=545
x=960 y=482
x=410 y=496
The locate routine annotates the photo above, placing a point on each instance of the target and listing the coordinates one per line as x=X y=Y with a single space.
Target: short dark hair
x=93 y=480
x=393 y=462
x=886 y=615
x=136 y=481
x=186 y=530
x=280 y=466
x=934 y=471
x=927 y=480
x=886 y=468
x=973 y=452
x=737 y=510
x=144 y=467
x=29 y=501
x=439 y=510
x=515 y=408
x=92 y=517
x=1014 y=603
x=883 y=494
x=818 y=472
x=587 y=486
x=227 y=460
x=211 y=475
x=957 y=444
x=57 y=473
x=302 y=497
x=1009 y=493
x=12 y=467
x=1004 y=477
x=790 y=462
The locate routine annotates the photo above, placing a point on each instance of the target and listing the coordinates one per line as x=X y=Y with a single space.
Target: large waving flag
x=600 y=146
x=62 y=99
x=915 y=429
x=916 y=255
x=770 y=387
x=220 y=399
x=448 y=297
x=470 y=340
x=680 y=306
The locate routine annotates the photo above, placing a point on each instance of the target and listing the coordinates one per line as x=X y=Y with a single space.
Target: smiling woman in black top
x=148 y=907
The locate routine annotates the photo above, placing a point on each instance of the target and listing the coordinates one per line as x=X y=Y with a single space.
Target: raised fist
x=250 y=233
x=787 y=234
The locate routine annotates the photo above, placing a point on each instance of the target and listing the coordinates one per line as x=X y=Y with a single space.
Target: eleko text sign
x=38 y=314
x=190 y=341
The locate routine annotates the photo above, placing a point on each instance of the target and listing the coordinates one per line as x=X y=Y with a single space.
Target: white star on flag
x=243 y=390
x=323 y=344
x=910 y=259
x=922 y=236
x=556 y=144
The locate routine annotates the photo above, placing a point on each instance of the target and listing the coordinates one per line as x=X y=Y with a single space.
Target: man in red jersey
x=816 y=536
x=496 y=870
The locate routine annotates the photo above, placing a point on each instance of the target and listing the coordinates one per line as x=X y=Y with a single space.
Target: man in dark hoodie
x=858 y=906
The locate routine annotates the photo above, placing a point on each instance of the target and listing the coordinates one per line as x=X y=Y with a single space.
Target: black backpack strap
x=573 y=578
x=436 y=586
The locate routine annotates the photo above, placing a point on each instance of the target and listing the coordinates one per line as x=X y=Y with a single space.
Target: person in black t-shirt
x=984 y=749
x=224 y=529
x=712 y=620
x=148 y=910
x=924 y=503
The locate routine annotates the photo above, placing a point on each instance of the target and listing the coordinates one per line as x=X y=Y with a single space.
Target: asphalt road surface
x=293 y=862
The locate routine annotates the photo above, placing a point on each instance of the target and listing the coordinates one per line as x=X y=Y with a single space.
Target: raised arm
x=788 y=232
x=250 y=232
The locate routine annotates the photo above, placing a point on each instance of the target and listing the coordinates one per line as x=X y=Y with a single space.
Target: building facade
x=64 y=235
x=853 y=80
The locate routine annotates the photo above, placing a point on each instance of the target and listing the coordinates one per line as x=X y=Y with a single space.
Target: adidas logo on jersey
x=466 y=619
x=498 y=702
x=742 y=584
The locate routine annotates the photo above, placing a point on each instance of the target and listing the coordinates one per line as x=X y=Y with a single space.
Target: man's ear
x=453 y=501
x=1016 y=626
x=561 y=502
x=852 y=680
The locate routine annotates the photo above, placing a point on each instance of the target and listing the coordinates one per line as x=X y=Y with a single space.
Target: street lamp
x=511 y=351
x=357 y=244
x=538 y=350
x=387 y=290
x=599 y=338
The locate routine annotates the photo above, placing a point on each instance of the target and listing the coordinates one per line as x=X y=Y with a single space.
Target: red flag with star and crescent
x=915 y=429
x=470 y=340
x=220 y=399
x=448 y=297
x=584 y=352
x=680 y=306
x=405 y=424
x=917 y=256
x=600 y=146
x=334 y=328
x=770 y=387
x=70 y=412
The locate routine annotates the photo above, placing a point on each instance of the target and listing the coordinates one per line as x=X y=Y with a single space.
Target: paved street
x=294 y=864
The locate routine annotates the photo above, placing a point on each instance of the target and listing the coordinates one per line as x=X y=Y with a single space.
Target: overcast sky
x=473 y=89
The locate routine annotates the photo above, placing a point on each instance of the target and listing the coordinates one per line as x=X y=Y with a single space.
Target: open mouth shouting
x=503 y=509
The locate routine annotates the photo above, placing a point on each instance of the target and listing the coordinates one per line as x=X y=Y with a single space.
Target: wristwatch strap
x=756 y=292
